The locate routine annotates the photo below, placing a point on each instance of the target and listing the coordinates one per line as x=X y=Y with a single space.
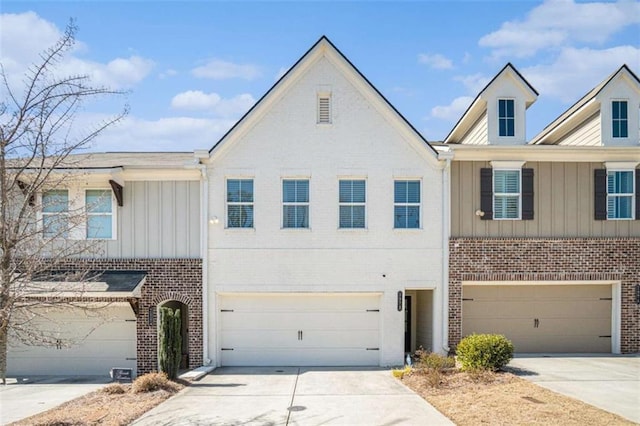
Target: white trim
x=113 y=214
x=621 y=165
x=505 y=194
x=407 y=204
x=626 y=101
x=632 y=194
x=227 y=203
x=353 y=204
x=307 y=203
x=507 y=165
x=616 y=300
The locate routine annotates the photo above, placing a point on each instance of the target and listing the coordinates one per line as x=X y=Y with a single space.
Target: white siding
x=361 y=142
x=477 y=135
x=159 y=219
x=587 y=134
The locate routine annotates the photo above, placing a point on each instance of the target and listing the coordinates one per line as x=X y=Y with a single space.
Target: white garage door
x=102 y=339
x=541 y=318
x=299 y=330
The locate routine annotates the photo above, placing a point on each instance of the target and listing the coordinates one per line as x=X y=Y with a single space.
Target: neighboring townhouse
x=327 y=228
x=144 y=232
x=545 y=234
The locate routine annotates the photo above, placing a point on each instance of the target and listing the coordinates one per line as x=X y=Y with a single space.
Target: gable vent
x=324 y=109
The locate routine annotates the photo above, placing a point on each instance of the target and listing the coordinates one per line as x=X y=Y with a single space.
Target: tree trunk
x=3 y=353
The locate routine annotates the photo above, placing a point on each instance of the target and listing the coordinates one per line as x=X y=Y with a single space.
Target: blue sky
x=193 y=68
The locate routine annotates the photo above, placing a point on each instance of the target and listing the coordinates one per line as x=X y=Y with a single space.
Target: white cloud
x=454 y=110
x=560 y=79
x=557 y=23
x=218 y=69
x=167 y=73
x=212 y=102
x=24 y=36
x=473 y=82
x=436 y=61
x=164 y=134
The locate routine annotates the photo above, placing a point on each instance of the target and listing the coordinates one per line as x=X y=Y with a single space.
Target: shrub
x=434 y=361
x=114 y=389
x=401 y=372
x=170 y=348
x=484 y=352
x=152 y=382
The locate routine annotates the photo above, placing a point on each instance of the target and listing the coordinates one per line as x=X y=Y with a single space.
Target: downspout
x=446 y=232
x=204 y=246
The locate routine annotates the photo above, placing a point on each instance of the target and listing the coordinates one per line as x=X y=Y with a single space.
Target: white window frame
x=114 y=208
x=243 y=203
x=352 y=204
x=515 y=130
x=631 y=195
x=418 y=204
x=296 y=203
x=319 y=117
x=506 y=166
x=614 y=120
x=44 y=214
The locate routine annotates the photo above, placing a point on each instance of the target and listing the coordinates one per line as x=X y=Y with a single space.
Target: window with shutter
x=506 y=194
x=620 y=194
x=324 y=109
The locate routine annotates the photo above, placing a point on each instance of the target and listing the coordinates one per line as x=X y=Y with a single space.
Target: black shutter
x=600 y=194
x=486 y=193
x=527 y=194
x=637 y=194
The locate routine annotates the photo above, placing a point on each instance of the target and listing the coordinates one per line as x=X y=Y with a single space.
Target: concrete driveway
x=608 y=382
x=24 y=397
x=295 y=396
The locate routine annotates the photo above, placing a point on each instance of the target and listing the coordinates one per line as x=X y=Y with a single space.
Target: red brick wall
x=167 y=279
x=552 y=259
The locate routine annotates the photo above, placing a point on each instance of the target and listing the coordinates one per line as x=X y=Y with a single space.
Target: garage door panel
x=299 y=329
x=542 y=318
x=299 y=320
x=284 y=357
x=98 y=341
x=490 y=309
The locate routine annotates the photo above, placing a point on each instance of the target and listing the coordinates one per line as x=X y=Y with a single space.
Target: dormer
x=606 y=116
x=497 y=116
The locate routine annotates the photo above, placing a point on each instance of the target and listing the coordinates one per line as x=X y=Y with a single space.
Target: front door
x=407 y=323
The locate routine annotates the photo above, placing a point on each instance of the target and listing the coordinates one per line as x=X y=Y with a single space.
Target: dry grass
x=106 y=406
x=503 y=399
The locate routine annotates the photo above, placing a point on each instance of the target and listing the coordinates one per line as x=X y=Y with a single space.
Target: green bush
x=484 y=352
x=170 y=347
x=434 y=361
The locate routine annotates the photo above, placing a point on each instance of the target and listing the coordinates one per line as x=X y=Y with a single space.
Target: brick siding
x=167 y=279
x=539 y=259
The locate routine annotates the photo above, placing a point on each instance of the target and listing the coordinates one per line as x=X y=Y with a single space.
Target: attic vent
x=324 y=109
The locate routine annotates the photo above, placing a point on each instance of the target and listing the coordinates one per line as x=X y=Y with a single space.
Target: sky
x=192 y=69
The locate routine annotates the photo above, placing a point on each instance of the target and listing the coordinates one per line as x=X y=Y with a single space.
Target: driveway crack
x=293 y=395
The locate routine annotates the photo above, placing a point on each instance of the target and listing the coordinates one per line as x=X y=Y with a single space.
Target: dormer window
x=506 y=118
x=620 y=121
x=324 y=108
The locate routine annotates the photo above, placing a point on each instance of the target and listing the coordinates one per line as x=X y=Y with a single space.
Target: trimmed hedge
x=484 y=352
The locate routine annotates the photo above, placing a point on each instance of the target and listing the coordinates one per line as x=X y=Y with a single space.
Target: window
x=99 y=207
x=620 y=121
x=506 y=117
x=506 y=194
x=406 y=207
x=240 y=203
x=352 y=203
x=324 y=108
x=295 y=203
x=620 y=193
x=55 y=210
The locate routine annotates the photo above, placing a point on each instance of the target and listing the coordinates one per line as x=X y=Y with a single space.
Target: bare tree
x=39 y=146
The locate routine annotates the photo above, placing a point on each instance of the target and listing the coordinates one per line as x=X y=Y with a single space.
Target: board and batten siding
x=159 y=219
x=563 y=204
x=587 y=134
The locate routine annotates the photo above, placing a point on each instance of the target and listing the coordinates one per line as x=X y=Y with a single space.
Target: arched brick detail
x=166 y=297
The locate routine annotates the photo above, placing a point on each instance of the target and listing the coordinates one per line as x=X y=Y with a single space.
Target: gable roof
x=478 y=107
x=278 y=86
x=566 y=116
